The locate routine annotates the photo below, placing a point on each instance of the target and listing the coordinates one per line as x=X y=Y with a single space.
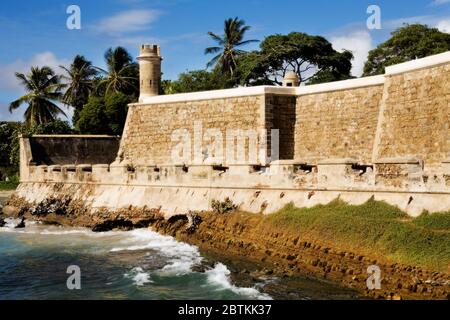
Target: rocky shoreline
x=253 y=248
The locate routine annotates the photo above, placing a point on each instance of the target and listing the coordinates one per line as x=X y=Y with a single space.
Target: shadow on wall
x=65 y=150
x=281 y=115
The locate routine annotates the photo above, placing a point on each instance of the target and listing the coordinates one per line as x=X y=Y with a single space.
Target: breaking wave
x=220 y=277
x=139 y=277
x=178 y=258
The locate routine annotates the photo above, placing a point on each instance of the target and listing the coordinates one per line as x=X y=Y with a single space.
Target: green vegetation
x=375 y=228
x=104 y=115
x=312 y=58
x=54 y=127
x=223 y=207
x=79 y=77
x=121 y=75
x=100 y=97
x=9 y=185
x=199 y=80
x=407 y=43
x=227 y=46
x=43 y=90
x=436 y=221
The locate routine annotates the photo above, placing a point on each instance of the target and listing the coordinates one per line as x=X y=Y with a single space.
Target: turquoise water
x=139 y=264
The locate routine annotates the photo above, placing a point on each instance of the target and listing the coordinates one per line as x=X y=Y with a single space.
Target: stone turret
x=150 y=71
x=291 y=79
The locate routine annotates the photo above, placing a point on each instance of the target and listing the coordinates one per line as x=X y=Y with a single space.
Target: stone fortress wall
x=385 y=137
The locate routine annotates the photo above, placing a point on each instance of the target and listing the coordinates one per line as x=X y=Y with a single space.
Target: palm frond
x=212 y=50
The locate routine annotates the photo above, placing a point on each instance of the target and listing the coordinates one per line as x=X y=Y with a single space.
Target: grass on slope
x=10 y=185
x=377 y=228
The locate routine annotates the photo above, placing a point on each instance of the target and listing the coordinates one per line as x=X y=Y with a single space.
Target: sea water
x=139 y=264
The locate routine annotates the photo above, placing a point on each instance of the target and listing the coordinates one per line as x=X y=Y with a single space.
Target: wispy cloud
x=444 y=25
x=396 y=23
x=8 y=81
x=359 y=40
x=127 y=21
x=439 y=2
x=359 y=43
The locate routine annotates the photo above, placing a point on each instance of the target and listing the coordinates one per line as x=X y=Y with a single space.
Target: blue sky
x=35 y=33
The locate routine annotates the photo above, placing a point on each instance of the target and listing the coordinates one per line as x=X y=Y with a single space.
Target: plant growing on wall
x=223 y=207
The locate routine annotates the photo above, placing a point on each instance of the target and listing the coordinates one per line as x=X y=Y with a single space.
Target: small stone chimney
x=149 y=70
x=291 y=79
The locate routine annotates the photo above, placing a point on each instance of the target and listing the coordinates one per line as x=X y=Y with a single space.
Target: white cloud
x=396 y=23
x=444 y=25
x=359 y=43
x=127 y=21
x=8 y=80
x=439 y=2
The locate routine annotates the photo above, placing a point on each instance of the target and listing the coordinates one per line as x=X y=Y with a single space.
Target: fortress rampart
x=385 y=137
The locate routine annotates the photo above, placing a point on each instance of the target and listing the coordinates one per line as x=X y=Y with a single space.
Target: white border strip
x=217 y=94
x=341 y=85
x=298 y=91
x=419 y=63
x=262 y=90
x=72 y=136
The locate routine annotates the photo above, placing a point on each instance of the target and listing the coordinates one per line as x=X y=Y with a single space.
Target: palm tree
x=43 y=89
x=80 y=77
x=122 y=74
x=235 y=30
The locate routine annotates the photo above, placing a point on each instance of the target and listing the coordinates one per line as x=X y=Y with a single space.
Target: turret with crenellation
x=150 y=71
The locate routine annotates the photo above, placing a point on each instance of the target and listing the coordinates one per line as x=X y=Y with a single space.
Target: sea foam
x=220 y=277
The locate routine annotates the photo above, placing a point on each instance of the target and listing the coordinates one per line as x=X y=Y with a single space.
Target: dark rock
x=113 y=224
x=21 y=224
x=58 y=206
x=194 y=221
x=2 y=222
x=268 y=272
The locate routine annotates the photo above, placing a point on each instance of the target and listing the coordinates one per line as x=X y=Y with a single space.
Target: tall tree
x=197 y=80
x=227 y=45
x=104 y=115
x=312 y=58
x=407 y=43
x=43 y=90
x=80 y=77
x=122 y=74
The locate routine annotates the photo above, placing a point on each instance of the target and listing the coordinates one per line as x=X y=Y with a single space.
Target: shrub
x=223 y=207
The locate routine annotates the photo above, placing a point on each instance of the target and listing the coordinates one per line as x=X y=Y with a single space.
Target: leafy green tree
x=122 y=74
x=407 y=43
x=198 y=80
x=104 y=115
x=43 y=90
x=7 y=131
x=227 y=45
x=80 y=77
x=116 y=109
x=92 y=119
x=312 y=58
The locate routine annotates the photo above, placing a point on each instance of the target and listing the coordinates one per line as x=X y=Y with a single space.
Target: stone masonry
x=384 y=137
